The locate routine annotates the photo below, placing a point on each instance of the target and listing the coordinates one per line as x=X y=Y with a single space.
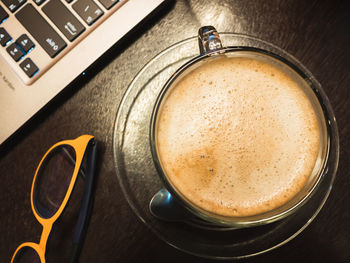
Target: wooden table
x=316 y=32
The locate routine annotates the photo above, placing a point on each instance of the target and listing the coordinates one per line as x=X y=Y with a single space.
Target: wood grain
x=315 y=32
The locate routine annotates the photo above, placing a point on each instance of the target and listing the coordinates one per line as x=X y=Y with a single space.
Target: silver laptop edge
x=19 y=102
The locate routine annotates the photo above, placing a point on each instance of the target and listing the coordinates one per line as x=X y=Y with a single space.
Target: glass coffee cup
x=234 y=181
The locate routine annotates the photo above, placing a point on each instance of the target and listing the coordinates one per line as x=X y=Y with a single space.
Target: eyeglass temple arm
x=86 y=206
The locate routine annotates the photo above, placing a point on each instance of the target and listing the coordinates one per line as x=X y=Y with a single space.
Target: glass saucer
x=139 y=180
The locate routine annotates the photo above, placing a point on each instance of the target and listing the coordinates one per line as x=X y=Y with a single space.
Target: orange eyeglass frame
x=82 y=145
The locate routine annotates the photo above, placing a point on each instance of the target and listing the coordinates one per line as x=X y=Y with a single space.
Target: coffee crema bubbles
x=237 y=136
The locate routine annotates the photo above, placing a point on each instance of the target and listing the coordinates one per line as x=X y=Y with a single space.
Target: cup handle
x=208 y=40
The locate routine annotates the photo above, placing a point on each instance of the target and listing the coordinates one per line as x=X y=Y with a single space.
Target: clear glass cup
x=210 y=48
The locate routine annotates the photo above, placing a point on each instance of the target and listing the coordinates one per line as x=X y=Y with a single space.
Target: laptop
x=46 y=44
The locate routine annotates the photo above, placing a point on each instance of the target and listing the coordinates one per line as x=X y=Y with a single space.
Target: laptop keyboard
x=35 y=34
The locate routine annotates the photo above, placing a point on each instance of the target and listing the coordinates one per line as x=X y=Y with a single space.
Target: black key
x=87 y=10
x=5 y=38
x=43 y=33
x=13 y=5
x=66 y=22
x=25 y=43
x=108 y=3
x=29 y=67
x=3 y=14
x=39 y=2
x=15 y=52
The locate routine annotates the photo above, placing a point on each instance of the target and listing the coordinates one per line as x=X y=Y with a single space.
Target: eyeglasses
x=52 y=186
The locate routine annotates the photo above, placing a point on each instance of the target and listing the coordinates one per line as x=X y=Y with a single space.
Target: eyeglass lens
x=53 y=179
x=27 y=255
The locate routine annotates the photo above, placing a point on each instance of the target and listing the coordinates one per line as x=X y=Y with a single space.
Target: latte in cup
x=239 y=135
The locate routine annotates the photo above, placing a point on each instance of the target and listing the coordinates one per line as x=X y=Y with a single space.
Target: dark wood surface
x=316 y=32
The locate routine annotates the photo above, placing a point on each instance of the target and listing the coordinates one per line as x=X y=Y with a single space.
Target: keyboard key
x=29 y=67
x=87 y=10
x=39 y=2
x=108 y=3
x=3 y=14
x=66 y=22
x=13 y=5
x=5 y=38
x=15 y=52
x=25 y=43
x=43 y=33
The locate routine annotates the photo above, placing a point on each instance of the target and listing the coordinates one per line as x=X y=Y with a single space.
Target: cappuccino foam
x=237 y=136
